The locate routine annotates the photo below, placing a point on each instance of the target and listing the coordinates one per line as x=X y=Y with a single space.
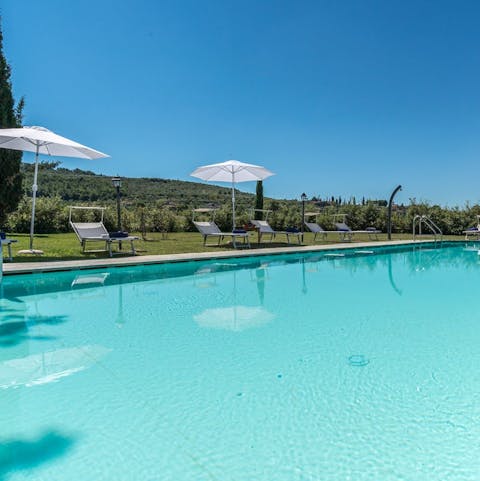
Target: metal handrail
x=436 y=231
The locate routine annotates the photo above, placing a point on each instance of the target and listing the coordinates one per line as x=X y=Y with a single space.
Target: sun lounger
x=96 y=232
x=263 y=227
x=474 y=231
x=210 y=229
x=317 y=230
x=347 y=234
x=310 y=221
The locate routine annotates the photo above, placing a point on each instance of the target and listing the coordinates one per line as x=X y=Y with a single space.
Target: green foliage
x=259 y=199
x=10 y=117
x=51 y=215
x=166 y=206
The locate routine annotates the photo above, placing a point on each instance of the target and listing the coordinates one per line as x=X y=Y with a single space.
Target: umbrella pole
x=34 y=197
x=233 y=201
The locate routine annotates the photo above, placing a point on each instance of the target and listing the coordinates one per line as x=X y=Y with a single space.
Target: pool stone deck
x=52 y=266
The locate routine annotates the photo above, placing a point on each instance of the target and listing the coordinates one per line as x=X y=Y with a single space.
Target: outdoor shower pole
x=389 y=219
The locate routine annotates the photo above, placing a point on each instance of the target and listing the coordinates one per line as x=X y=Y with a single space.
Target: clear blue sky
x=337 y=97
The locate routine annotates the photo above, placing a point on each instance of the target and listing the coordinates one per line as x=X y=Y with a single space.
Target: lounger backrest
x=263 y=226
x=342 y=226
x=90 y=230
x=314 y=227
x=207 y=228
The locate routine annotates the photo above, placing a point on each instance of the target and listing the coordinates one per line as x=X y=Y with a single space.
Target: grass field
x=67 y=247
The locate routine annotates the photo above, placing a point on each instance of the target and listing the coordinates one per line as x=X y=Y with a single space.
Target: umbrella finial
x=37 y=127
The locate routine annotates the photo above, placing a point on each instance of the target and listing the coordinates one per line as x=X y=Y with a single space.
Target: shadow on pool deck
x=17 y=454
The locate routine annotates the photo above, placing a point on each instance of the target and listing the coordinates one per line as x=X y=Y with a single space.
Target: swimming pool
x=292 y=367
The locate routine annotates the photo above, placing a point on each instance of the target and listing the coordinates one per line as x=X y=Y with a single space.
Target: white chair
x=210 y=229
x=97 y=232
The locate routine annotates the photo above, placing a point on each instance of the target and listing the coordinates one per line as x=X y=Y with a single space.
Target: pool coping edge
x=80 y=264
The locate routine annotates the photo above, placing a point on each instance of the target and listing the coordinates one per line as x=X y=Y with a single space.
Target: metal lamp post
x=303 y=198
x=117 y=183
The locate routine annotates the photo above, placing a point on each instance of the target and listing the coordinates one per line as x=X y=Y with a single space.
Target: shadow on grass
x=22 y=454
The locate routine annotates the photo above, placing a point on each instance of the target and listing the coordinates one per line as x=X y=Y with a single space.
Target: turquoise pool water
x=298 y=367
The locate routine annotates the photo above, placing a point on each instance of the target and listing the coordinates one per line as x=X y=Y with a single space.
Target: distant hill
x=86 y=186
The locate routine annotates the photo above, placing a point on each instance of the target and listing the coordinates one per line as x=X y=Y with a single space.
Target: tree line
x=172 y=216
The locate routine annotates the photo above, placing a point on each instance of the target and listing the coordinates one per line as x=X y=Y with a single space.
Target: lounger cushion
x=118 y=234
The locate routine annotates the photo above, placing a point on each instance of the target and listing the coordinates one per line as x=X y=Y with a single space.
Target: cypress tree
x=259 y=199
x=10 y=160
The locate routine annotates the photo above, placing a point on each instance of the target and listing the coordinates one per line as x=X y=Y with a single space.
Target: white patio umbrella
x=232 y=171
x=43 y=141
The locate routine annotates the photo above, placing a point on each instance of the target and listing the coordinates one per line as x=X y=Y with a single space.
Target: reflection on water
x=238 y=317
x=48 y=367
x=234 y=318
x=14 y=326
x=90 y=280
x=65 y=281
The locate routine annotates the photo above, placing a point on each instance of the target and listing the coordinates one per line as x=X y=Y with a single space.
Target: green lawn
x=67 y=247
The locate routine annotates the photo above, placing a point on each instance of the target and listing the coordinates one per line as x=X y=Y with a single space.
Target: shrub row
x=52 y=216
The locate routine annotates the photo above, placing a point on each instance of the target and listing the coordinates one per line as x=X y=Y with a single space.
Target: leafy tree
x=10 y=117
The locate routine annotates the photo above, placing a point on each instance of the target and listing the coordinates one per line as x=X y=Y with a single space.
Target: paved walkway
x=31 y=267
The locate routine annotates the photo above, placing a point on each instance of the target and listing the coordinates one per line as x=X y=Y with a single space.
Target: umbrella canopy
x=43 y=141
x=232 y=171
x=234 y=318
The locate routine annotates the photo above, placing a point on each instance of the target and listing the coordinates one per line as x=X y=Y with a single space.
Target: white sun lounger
x=263 y=227
x=210 y=229
x=97 y=232
x=346 y=233
x=310 y=221
x=474 y=231
x=317 y=230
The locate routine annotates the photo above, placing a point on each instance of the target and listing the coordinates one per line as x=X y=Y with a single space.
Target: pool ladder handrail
x=436 y=231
